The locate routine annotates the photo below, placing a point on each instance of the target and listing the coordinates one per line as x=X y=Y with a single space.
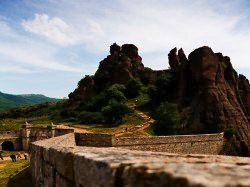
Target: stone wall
x=60 y=132
x=58 y=162
x=15 y=141
x=39 y=133
x=187 y=144
x=23 y=137
x=45 y=160
x=7 y=134
x=11 y=136
x=94 y=140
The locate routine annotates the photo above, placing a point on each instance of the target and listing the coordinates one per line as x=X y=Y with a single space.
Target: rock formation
x=123 y=64
x=211 y=96
x=218 y=97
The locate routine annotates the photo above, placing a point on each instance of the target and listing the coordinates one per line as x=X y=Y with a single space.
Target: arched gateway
x=8 y=146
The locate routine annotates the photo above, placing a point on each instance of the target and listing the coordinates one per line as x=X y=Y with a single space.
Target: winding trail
x=146 y=118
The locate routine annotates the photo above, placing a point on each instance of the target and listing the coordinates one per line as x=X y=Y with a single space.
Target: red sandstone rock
x=210 y=94
x=215 y=104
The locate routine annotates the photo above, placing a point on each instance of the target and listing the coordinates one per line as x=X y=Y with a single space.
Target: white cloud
x=54 y=29
x=24 y=54
x=158 y=26
x=34 y=57
x=70 y=37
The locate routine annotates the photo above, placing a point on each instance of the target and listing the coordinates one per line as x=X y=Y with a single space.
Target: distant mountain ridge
x=8 y=101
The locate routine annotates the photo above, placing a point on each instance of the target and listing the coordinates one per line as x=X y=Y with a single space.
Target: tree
x=164 y=89
x=167 y=119
x=133 y=88
x=113 y=93
x=114 y=112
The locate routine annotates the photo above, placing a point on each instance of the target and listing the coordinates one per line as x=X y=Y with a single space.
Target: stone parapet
x=187 y=144
x=58 y=162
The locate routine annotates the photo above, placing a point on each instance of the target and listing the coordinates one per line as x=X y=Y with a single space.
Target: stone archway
x=8 y=146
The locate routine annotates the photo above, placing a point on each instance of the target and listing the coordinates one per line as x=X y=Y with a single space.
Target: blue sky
x=47 y=46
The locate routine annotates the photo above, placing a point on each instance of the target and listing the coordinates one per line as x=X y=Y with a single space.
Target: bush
x=114 y=112
x=133 y=88
x=167 y=119
x=90 y=117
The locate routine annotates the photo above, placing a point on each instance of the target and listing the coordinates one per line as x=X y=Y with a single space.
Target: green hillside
x=8 y=101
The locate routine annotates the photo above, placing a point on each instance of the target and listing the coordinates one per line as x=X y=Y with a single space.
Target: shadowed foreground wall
x=58 y=162
x=187 y=144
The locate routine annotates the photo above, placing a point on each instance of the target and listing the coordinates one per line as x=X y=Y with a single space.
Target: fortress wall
x=60 y=132
x=39 y=133
x=16 y=142
x=94 y=140
x=57 y=162
x=186 y=144
x=45 y=161
x=4 y=134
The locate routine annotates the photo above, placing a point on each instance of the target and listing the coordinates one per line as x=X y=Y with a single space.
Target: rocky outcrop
x=211 y=96
x=244 y=93
x=120 y=66
x=123 y=64
x=85 y=90
x=218 y=97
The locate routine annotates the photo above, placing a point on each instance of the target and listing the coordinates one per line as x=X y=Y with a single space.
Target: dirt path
x=147 y=121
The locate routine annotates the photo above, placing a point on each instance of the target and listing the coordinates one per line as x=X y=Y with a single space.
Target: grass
x=16 y=124
x=8 y=169
x=8 y=153
x=150 y=130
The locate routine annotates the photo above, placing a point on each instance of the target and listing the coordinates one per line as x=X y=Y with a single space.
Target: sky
x=47 y=46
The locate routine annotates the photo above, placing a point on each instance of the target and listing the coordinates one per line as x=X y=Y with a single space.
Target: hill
x=8 y=101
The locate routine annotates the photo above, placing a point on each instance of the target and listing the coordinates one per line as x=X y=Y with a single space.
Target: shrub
x=167 y=119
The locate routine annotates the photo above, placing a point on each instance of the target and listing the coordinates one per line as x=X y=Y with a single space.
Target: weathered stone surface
x=187 y=144
x=219 y=108
x=115 y=167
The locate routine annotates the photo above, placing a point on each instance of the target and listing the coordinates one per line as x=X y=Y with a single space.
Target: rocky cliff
x=211 y=96
x=218 y=98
